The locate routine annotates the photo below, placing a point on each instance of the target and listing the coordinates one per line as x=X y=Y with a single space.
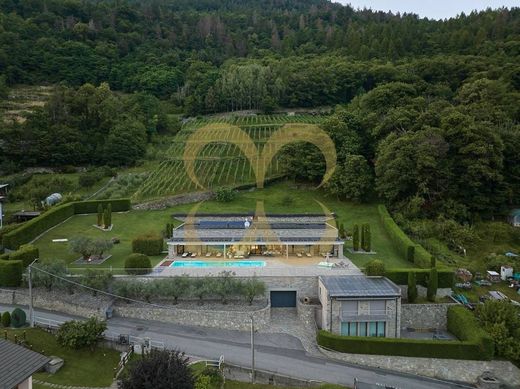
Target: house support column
x=340 y=251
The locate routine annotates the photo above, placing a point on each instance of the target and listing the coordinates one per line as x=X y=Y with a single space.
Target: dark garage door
x=283 y=299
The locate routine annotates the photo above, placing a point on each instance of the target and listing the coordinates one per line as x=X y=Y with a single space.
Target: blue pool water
x=218 y=264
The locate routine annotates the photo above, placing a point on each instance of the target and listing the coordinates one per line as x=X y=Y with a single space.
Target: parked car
x=463 y=285
x=483 y=283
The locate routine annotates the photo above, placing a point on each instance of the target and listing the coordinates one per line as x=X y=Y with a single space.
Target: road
x=280 y=353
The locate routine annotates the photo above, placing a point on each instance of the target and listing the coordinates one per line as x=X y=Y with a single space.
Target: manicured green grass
x=278 y=198
x=81 y=367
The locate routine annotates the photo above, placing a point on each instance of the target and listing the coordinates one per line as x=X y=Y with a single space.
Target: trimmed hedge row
x=475 y=342
x=148 y=244
x=11 y=273
x=26 y=253
x=30 y=230
x=446 y=277
x=410 y=251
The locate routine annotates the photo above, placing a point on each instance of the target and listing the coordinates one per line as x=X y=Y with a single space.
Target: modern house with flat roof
x=358 y=305
x=239 y=236
x=17 y=365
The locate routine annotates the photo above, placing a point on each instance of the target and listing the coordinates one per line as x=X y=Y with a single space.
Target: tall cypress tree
x=433 y=282
x=412 y=287
x=100 y=215
x=355 y=238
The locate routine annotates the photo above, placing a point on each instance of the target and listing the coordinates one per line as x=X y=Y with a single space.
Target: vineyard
x=217 y=163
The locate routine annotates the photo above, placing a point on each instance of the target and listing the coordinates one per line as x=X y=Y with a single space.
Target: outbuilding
x=18 y=364
x=514 y=217
x=358 y=305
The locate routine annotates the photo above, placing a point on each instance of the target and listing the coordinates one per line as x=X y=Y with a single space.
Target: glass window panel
x=344 y=328
x=362 y=329
x=381 y=328
x=352 y=331
x=372 y=328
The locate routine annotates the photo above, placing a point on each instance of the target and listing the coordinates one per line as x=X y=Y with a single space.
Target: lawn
x=476 y=291
x=278 y=198
x=81 y=367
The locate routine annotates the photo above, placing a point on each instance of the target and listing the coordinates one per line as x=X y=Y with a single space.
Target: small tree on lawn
x=355 y=238
x=81 y=245
x=362 y=239
x=161 y=369
x=99 y=246
x=433 y=281
x=375 y=268
x=341 y=230
x=412 y=287
x=107 y=216
x=100 y=215
x=80 y=334
x=252 y=288
x=367 y=238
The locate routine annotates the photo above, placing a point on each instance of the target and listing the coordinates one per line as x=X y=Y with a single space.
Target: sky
x=434 y=9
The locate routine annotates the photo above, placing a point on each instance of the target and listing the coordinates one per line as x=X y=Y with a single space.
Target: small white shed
x=505 y=272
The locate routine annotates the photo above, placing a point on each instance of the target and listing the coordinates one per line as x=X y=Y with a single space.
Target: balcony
x=373 y=315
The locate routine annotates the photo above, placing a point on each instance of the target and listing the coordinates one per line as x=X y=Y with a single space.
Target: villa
x=239 y=236
x=18 y=364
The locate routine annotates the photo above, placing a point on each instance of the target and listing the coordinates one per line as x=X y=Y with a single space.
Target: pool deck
x=282 y=267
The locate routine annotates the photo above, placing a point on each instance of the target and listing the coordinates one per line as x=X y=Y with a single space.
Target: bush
x=31 y=229
x=465 y=326
x=225 y=194
x=18 y=318
x=6 y=319
x=11 y=273
x=27 y=253
x=403 y=347
x=149 y=244
x=446 y=278
x=375 y=268
x=409 y=250
x=81 y=334
x=138 y=264
x=87 y=180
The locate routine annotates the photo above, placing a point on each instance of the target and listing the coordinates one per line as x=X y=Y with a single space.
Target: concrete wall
x=243 y=374
x=232 y=320
x=424 y=316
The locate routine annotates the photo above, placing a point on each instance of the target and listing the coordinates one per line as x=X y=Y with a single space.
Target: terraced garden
x=217 y=163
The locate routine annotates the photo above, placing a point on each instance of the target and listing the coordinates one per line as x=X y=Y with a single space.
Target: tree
x=126 y=143
x=107 y=216
x=18 y=318
x=502 y=321
x=355 y=238
x=226 y=285
x=225 y=194
x=252 y=288
x=100 y=215
x=341 y=231
x=96 y=279
x=367 y=244
x=352 y=180
x=412 y=287
x=433 y=281
x=50 y=277
x=173 y=368
x=81 y=334
x=200 y=287
x=89 y=247
x=6 y=319
x=375 y=268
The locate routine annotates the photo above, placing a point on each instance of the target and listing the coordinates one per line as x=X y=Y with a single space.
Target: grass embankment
x=278 y=198
x=81 y=367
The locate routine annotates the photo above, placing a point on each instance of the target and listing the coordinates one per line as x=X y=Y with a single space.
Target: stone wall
x=243 y=374
x=77 y=304
x=306 y=313
x=424 y=316
x=231 y=320
x=446 y=369
x=172 y=201
x=305 y=286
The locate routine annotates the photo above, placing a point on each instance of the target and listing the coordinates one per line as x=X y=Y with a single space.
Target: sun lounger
x=308 y=255
x=208 y=254
x=219 y=255
x=184 y=255
x=299 y=255
x=193 y=255
x=326 y=264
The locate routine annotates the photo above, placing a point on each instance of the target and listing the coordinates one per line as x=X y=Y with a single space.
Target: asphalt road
x=280 y=353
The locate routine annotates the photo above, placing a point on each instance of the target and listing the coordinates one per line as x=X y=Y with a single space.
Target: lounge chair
x=184 y=255
x=326 y=264
x=219 y=255
x=193 y=255
x=308 y=255
x=299 y=255
x=208 y=254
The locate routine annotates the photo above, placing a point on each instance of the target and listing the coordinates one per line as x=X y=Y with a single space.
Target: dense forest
x=427 y=111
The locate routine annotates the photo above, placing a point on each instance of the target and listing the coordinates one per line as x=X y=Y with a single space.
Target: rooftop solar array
x=360 y=286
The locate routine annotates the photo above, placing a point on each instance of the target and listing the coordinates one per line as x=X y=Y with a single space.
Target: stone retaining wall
x=73 y=304
x=446 y=369
x=231 y=320
x=174 y=200
x=306 y=313
x=424 y=315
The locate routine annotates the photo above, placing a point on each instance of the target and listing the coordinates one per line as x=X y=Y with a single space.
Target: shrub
x=446 y=278
x=27 y=253
x=6 y=319
x=11 y=273
x=367 y=244
x=433 y=283
x=225 y=194
x=355 y=238
x=18 y=318
x=149 y=244
x=81 y=334
x=412 y=287
x=138 y=264
x=87 y=180
x=375 y=268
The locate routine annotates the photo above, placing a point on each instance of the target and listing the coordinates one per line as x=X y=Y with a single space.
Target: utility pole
x=31 y=308
x=252 y=349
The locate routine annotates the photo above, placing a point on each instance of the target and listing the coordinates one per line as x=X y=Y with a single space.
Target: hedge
x=475 y=343
x=138 y=264
x=30 y=230
x=27 y=253
x=18 y=318
x=410 y=251
x=149 y=244
x=446 y=277
x=11 y=273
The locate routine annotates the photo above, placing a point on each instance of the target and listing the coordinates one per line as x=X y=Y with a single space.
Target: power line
x=100 y=291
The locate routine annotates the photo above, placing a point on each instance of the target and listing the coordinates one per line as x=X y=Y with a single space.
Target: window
x=362 y=327
x=371 y=328
x=352 y=329
x=381 y=328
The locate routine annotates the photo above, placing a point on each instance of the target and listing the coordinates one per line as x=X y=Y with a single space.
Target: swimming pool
x=218 y=264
